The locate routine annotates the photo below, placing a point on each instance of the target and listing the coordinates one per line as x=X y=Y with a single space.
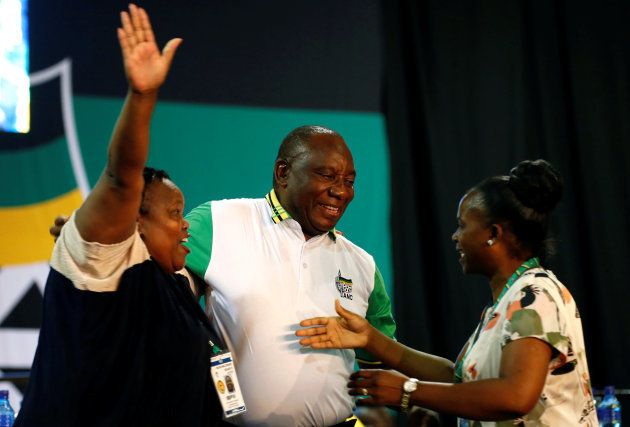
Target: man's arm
x=200 y=240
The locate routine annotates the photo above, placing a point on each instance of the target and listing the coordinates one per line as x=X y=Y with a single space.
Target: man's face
x=316 y=186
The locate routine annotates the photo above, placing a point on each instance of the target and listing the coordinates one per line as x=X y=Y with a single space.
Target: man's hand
x=55 y=229
x=349 y=330
x=145 y=66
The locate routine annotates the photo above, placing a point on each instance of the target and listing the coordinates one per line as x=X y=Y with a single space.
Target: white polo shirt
x=266 y=278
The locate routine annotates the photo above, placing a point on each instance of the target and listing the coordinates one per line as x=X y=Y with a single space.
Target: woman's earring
x=490 y=242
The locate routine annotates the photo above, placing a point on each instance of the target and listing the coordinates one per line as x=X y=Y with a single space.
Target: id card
x=225 y=382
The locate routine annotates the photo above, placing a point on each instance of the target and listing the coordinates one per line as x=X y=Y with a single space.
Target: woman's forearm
x=413 y=363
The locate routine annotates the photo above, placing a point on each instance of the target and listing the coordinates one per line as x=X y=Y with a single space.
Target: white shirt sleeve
x=93 y=266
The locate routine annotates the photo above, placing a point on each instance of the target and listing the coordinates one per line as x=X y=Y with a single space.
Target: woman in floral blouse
x=525 y=362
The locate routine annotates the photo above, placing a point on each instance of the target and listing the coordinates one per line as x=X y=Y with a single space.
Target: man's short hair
x=294 y=143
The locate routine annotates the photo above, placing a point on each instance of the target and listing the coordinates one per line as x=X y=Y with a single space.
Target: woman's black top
x=138 y=356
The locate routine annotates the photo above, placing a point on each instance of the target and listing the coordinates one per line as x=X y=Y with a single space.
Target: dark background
x=471 y=89
x=320 y=55
x=468 y=88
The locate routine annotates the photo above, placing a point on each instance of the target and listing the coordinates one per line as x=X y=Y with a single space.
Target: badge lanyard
x=527 y=265
x=215 y=348
x=223 y=374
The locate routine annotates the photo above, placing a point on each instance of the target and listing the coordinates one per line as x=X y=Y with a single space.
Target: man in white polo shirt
x=273 y=261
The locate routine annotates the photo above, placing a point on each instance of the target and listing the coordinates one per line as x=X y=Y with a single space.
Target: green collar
x=279 y=214
x=527 y=265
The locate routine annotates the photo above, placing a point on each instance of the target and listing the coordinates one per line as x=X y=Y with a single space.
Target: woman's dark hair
x=523 y=202
x=151 y=175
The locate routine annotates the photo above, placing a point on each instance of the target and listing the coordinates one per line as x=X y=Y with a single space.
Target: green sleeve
x=379 y=314
x=200 y=240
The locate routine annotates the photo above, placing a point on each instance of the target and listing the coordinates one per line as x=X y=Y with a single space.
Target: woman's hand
x=381 y=388
x=349 y=330
x=145 y=66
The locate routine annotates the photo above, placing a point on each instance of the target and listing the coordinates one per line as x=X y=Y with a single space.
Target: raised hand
x=349 y=330
x=145 y=66
x=110 y=212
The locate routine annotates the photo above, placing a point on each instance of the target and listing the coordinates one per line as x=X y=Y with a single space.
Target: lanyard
x=184 y=286
x=527 y=265
x=215 y=348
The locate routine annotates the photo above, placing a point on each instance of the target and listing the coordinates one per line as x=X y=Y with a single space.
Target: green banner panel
x=215 y=152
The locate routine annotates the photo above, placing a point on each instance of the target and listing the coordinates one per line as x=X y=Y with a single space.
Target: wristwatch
x=408 y=387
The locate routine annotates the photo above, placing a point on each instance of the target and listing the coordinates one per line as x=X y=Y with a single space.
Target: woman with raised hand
x=123 y=340
x=525 y=362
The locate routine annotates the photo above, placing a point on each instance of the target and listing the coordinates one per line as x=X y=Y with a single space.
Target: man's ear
x=281 y=172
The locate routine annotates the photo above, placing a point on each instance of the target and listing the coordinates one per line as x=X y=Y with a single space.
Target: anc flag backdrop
x=43 y=175
x=246 y=74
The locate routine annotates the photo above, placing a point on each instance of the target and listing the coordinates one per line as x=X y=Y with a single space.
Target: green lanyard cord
x=215 y=348
x=527 y=265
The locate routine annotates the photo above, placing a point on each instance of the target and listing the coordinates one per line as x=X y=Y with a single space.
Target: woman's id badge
x=225 y=382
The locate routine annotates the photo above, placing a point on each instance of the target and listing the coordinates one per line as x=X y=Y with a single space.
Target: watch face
x=410 y=385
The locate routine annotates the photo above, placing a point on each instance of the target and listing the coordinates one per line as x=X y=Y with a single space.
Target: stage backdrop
x=470 y=88
x=246 y=74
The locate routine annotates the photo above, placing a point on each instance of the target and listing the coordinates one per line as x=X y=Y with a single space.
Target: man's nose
x=338 y=188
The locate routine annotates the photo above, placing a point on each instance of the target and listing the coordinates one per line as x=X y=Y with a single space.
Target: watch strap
x=406 y=395
x=404 y=401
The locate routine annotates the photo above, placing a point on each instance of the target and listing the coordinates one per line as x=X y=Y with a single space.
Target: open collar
x=279 y=214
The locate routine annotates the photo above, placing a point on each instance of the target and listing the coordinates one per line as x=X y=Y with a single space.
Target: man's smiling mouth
x=333 y=210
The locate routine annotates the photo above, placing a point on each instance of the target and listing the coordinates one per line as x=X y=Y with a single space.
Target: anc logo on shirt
x=344 y=286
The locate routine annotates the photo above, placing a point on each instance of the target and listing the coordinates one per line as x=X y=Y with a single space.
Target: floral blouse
x=537 y=305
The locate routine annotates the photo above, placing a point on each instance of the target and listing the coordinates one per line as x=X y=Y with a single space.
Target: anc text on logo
x=344 y=286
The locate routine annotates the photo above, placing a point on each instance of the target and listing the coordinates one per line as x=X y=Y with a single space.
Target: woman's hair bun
x=536 y=184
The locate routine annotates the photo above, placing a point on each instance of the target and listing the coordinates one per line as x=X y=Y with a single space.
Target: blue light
x=14 y=81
